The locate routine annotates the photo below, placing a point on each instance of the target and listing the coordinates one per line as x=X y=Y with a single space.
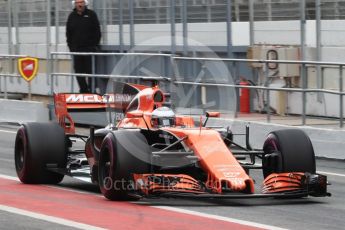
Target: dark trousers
x=83 y=64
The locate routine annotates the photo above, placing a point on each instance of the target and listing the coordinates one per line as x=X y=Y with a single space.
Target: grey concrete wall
x=23 y=111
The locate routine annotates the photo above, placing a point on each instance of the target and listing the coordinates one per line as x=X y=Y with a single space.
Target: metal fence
x=174 y=79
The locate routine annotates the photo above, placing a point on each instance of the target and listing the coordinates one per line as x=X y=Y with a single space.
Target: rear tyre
x=288 y=150
x=38 y=145
x=123 y=153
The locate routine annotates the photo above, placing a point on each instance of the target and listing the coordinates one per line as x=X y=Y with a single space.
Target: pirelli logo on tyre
x=28 y=67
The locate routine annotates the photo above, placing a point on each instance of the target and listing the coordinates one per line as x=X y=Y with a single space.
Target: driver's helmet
x=162 y=116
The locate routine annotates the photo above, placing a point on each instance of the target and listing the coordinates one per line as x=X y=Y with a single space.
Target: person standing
x=83 y=35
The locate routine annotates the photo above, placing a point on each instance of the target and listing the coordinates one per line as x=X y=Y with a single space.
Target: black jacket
x=83 y=31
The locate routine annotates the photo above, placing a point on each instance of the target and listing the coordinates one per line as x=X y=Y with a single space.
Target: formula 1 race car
x=151 y=151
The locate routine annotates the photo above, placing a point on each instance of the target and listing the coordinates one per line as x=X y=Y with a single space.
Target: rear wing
x=65 y=103
x=77 y=102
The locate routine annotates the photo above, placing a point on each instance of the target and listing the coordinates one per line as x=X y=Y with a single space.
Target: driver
x=162 y=117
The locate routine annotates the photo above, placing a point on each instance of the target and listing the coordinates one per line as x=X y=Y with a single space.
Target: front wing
x=280 y=185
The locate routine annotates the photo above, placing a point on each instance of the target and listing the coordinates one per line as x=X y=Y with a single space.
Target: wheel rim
x=270 y=146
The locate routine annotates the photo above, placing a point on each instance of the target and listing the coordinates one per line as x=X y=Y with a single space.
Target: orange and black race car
x=153 y=152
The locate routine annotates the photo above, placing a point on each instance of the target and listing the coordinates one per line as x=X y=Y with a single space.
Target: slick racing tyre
x=288 y=150
x=36 y=146
x=123 y=153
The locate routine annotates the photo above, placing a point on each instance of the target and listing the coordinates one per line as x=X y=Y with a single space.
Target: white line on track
x=332 y=174
x=6 y=160
x=50 y=219
x=215 y=217
x=9 y=177
x=323 y=172
x=7 y=131
x=45 y=217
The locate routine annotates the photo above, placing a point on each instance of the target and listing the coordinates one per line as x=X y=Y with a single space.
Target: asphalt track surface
x=78 y=205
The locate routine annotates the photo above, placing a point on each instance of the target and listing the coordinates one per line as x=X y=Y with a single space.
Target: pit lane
x=309 y=213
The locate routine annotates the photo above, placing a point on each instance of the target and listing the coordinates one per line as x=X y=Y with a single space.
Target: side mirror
x=212 y=114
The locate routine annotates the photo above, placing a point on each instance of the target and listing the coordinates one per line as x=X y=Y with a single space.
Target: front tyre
x=288 y=150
